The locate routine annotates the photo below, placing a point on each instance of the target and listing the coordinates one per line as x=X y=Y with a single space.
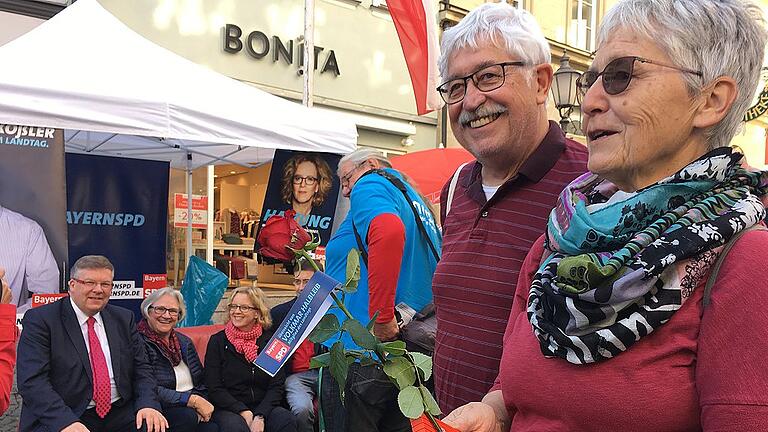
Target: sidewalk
x=9 y=421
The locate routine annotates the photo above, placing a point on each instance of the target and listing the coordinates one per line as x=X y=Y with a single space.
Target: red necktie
x=102 y=394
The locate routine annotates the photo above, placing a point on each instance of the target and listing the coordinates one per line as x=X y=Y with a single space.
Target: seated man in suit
x=82 y=365
x=301 y=383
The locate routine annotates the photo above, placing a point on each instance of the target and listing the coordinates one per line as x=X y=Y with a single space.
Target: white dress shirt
x=183 y=377
x=26 y=257
x=82 y=319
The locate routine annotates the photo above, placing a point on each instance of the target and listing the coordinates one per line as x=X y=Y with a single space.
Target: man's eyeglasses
x=617 y=75
x=93 y=284
x=345 y=178
x=241 y=308
x=308 y=180
x=160 y=311
x=486 y=79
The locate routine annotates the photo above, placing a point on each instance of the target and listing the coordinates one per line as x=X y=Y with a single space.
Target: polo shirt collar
x=533 y=169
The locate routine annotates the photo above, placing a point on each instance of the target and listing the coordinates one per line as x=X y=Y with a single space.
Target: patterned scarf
x=244 y=342
x=171 y=349
x=621 y=264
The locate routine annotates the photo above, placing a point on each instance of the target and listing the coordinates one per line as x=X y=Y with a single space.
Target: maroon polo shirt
x=484 y=246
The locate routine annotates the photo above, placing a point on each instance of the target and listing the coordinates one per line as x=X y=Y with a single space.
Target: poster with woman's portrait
x=304 y=182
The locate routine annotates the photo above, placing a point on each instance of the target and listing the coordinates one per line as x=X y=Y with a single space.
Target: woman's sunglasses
x=617 y=75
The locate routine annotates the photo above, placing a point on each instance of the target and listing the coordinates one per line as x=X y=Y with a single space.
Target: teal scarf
x=621 y=264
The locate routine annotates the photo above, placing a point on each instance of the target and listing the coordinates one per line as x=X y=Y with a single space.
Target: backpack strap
x=452 y=188
x=402 y=188
x=721 y=258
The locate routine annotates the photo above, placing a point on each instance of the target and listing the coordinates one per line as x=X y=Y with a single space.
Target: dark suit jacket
x=54 y=371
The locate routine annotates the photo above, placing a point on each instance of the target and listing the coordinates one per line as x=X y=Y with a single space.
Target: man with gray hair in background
x=496 y=66
x=399 y=242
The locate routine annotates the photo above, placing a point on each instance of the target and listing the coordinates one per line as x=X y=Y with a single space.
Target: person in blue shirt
x=399 y=269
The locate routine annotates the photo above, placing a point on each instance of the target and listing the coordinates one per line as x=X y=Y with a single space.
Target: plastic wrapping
x=202 y=290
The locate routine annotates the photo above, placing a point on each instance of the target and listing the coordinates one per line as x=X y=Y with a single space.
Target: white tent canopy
x=116 y=93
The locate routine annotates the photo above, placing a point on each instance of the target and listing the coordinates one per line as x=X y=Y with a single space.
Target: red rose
x=280 y=235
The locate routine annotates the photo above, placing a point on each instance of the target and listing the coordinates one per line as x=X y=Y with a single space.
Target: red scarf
x=244 y=342
x=171 y=349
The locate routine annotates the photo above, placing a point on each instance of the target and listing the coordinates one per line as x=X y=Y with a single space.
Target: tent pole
x=190 y=252
x=309 y=51
x=209 y=228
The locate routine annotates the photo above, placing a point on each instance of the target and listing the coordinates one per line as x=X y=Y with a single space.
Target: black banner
x=289 y=188
x=33 y=230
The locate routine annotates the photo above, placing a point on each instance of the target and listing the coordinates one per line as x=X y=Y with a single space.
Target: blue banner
x=312 y=303
x=118 y=208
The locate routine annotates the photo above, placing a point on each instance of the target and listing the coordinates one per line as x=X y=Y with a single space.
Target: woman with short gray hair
x=643 y=306
x=175 y=363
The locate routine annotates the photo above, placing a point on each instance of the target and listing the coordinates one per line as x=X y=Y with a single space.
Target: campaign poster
x=118 y=208
x=305 y=182
x=311 y=305
x=33 y=229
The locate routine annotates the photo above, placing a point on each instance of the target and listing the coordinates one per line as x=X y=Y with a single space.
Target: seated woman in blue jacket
x=177 y=368
x=245 y=397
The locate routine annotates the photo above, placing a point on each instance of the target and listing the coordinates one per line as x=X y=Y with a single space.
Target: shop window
x=582 y=23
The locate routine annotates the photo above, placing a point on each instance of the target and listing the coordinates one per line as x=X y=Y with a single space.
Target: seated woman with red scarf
x=245 y=397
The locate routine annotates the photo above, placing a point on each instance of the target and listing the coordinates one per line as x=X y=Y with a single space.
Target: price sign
x=199 y=211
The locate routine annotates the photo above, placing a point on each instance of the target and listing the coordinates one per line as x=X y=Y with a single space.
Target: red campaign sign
x=278 y=350
x=43 y=299
x=154 y=282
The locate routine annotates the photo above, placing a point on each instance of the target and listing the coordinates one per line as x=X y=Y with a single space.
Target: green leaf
x=353 y=271
x=410 y=402
x=396 y=348
x=362 y=336
x=321 y=360
x=338 y=365
x=400 y=370
x=422 y=363
x=325 y=328
x=372 y=321
x=367 y=361
x=429 y=401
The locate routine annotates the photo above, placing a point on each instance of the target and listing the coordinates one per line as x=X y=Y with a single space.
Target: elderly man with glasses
x=496 y=64
x=397 y=235
x=82 y=365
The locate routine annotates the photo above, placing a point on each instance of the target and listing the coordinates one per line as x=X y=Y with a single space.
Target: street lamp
x=564 y=89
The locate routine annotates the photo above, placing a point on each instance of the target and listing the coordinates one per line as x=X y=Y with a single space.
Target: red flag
x=417 y=31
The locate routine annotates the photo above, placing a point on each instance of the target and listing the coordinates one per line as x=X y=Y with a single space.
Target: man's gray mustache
x=467 y=116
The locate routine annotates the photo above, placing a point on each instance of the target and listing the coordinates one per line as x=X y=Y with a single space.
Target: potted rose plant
x=283 y=239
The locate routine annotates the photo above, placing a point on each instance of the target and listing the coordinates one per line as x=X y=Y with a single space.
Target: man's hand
x=76 y=427
x=203 y=407
x=387 y=331
x=258 y=424
x=155 y=421
x=247 y=416
x=474 y=417
x=6 y=295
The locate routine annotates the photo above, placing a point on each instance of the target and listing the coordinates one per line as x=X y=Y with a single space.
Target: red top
x=703 y=370
x=302 y=356
x=8 y=335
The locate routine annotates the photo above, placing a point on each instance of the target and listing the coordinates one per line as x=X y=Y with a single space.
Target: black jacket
x=236 y=385
x=166 y=377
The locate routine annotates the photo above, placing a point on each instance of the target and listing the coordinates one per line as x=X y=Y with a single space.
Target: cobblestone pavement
x=9 y=421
